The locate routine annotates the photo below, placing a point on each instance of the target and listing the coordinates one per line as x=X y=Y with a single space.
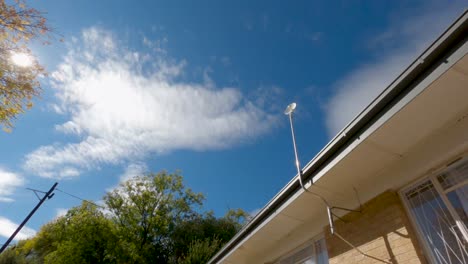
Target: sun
x=21 y=59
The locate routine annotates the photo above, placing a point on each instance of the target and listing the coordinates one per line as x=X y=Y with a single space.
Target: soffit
x=440 y=103
x=445 y=98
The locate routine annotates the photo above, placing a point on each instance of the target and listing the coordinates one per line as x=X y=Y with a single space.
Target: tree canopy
x=151 y=218
x=146 y=209
x=19 y=71
x=83 y=235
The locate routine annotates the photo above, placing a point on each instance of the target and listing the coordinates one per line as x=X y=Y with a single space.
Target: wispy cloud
x=132 y=170
x=315 y=36
x=59 y=212
x=226 y=61
x=9 y=181
x=157 y=45
x=271 y=98
x=397 y=47
x=123 y=105
x=7 y=227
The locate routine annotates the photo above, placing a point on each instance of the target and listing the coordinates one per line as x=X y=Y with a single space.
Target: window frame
x=309 y=243
x=432 y=177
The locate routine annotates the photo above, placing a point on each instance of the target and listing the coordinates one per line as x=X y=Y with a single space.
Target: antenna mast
x=289 y=111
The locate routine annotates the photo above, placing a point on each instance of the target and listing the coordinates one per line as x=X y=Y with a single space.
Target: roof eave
x=434 y=55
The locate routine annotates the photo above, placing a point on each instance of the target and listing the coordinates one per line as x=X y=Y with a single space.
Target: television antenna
x=289 y=112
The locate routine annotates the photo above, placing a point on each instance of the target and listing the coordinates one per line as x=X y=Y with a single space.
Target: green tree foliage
x=146 y=210
x=151 y=218
x=21 y=253
x=19 y=25
x=201 y=251
x=205 y=228
x=83 y=235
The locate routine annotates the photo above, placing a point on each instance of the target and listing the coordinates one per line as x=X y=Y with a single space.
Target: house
x=394 y=181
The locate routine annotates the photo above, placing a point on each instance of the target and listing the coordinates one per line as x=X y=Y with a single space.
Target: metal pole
x=298 y=165
x=48 y=195
x=330 y=220
x=289 y=112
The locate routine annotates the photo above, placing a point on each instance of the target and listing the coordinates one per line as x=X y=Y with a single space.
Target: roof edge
x=445 y=44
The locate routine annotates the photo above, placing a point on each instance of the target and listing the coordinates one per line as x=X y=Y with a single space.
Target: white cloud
x=9 y=181
x=103 y=207
x=7 y=227
x=398 y=46
x=59 y=212
x=157 y=45
x=123 y=105
x=132 y=170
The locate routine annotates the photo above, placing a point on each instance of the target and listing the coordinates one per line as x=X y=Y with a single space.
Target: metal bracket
x=35 y=192
x=289 y=111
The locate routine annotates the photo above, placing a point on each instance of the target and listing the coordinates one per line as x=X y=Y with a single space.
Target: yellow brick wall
x=382 y=231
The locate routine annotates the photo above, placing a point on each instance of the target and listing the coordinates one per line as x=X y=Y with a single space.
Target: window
x=438 y=206
x=313 y=253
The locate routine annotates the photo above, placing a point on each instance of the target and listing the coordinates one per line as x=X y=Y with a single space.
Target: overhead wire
x=79 y=198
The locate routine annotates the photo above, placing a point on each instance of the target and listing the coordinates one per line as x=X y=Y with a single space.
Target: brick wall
x=382 y=231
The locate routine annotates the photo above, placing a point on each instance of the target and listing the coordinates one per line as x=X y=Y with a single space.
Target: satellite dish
x=290 y=109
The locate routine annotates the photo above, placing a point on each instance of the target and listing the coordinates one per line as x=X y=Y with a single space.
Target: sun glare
x=21 y=59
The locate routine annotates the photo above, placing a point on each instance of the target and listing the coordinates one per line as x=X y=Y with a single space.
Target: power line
x=81 y=199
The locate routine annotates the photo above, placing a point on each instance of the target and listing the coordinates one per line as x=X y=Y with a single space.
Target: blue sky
x=200 y=86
